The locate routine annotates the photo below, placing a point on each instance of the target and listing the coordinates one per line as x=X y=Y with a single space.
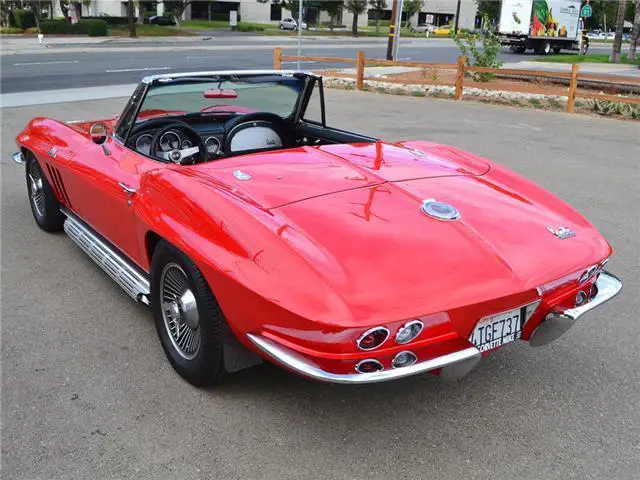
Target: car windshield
x=222 y=94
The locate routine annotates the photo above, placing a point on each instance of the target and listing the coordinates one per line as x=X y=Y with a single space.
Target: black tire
x=206 y=367
x=557 y=50
x=44 y=204
x=281 y=27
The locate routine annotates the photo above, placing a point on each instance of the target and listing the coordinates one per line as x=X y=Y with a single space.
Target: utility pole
x=457 y=22
x=392 y=28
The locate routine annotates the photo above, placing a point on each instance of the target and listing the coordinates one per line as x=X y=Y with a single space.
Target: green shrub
x=250 y=27
x=487 y=56
x=96 y=28
x=93 y=28
x=114 y=20
x=23 y=18
x=6 y=30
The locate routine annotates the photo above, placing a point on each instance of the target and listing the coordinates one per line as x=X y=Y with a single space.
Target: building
x=437 y=12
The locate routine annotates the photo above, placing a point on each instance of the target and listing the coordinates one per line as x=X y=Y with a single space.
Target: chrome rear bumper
x=453 y=365
x=556 y=324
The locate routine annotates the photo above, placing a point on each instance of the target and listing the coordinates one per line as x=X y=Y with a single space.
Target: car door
x=104 y=184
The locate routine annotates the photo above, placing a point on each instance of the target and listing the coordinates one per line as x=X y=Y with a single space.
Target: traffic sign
x=586 y=11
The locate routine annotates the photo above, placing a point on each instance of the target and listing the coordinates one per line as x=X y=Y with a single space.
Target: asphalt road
x=122 y=63
x=88 y=393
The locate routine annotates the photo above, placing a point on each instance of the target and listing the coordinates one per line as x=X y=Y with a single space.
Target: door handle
x=127 y=189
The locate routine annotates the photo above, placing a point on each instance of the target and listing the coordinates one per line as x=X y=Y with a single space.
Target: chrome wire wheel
x=36 y=192
x=180 y=311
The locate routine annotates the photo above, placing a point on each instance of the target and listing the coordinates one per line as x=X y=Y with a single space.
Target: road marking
x=45 y=63
x=146 y=69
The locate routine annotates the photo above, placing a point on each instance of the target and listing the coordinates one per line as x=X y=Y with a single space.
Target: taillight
x=372 y=338
x=369 y=366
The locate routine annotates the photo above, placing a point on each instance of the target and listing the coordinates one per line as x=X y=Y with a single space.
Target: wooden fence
x=361 y=62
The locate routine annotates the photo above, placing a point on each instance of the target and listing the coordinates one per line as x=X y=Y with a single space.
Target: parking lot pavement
x=87 y=392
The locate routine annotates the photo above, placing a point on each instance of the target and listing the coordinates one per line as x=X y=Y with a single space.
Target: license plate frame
x=508 y=323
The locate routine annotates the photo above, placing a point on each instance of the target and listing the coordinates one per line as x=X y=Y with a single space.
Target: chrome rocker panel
x=115 y=265
x=557 y=323
x=453 y=365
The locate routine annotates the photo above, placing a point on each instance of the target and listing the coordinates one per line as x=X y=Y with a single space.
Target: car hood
x=386 y=258
x=277 y=178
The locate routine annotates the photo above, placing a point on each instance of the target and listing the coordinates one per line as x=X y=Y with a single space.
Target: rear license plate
x=497 y=330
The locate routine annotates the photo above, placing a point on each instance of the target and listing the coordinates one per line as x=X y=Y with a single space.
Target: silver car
x=290 y=24
x=423 y=28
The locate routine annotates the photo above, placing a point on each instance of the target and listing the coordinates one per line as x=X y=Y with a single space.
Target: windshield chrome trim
x=283 y=73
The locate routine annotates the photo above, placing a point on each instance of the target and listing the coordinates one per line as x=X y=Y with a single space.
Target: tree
x=333 y=8
x=411 y=7
x=635 y=33
x=488 y=8
x=132 y=20
x=176 y=8
x=617 y=42
x=64 y=6
x=141 y=10
x=378 y=6
x=356 y=7
x=291 y=5
x=87 y=3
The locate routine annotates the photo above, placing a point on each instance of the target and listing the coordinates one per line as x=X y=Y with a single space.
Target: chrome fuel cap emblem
x=439 y=210
x=240 y=175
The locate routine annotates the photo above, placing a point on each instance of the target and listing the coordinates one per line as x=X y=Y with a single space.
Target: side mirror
x=98 y=133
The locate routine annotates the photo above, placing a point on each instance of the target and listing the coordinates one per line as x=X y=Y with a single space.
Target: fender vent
x=58 y=184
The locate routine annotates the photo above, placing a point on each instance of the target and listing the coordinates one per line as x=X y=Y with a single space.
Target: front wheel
x=44 y=204
x=187 y=317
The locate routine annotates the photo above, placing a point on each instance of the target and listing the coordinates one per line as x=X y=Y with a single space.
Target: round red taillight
x=369 y=366
x=372 y=338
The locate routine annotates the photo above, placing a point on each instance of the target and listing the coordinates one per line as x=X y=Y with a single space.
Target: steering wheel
x=256 y=119
x=183 y=156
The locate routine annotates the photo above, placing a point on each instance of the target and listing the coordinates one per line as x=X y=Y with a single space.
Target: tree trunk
x=354 y=25
x=132 y=23
x=37 y=13
x=617 y=43
x=65 y=9
x=635 y=33
x=378 y=21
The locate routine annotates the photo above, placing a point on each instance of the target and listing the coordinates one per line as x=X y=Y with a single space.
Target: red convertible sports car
x=254 y=230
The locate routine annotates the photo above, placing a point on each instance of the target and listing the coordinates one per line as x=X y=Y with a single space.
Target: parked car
x=161 y=20
x=255 y=234
x=290 y=24
x=443 y=30
x=423 y=28
x=607 y=35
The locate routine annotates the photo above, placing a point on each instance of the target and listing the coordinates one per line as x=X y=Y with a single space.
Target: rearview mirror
x=98 y=133
x=220 y=93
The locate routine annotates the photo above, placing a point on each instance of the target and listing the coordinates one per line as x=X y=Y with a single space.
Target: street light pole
x=299 y=32
x=396 y=39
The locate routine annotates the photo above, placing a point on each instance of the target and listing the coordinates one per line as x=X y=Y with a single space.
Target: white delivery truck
x=540 y=25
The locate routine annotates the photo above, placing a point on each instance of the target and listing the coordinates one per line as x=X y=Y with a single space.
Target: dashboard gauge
x=143 y=144
x=213 y=145
x=170 y=141
x=186 y=144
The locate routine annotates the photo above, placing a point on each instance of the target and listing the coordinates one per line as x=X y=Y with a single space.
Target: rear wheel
x=543 y=48
x=44 y=204
x=187 y=317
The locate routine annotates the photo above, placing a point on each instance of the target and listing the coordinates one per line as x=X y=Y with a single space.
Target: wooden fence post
x=460 y=77
x=573 y=84
x=360 y=58
x=277 y=58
